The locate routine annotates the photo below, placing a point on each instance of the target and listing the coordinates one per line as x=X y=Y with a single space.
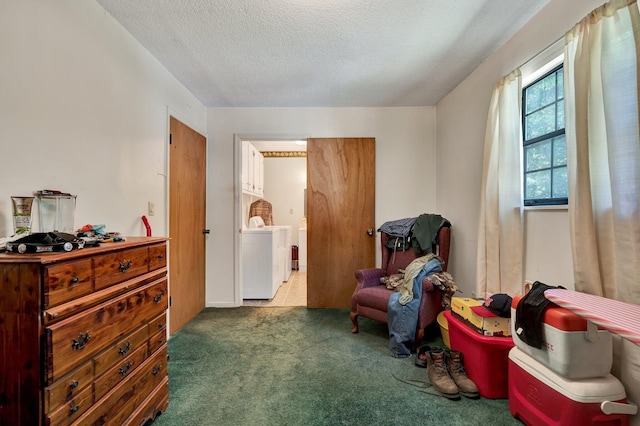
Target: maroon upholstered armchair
x=370 y=298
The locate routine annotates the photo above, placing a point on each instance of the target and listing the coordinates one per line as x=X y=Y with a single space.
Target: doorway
x=341 y=209
x=283 y=165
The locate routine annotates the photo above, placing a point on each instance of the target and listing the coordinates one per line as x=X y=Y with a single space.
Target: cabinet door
x=245 y=166
x=251 y=168
x=258 y=176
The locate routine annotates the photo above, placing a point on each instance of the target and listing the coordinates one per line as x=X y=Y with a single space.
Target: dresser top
x=45 y=258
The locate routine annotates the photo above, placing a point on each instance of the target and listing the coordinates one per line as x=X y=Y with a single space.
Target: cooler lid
x=592 y=390
x=560 y=318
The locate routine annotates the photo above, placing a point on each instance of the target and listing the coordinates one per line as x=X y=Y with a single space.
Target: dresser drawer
x=116 y=267
x=157 y=324
x=80 y=337
x=67 y=281
x=68 y=387
x=65 y=310
x=157 y=340
x=120 y=350
x=118 y=372
x=71 y=410
x=121 y=401
x=155 y=403
x=157 y=256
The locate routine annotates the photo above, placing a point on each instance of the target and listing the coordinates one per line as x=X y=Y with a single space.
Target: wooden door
x=187 y=222
x=340 y=217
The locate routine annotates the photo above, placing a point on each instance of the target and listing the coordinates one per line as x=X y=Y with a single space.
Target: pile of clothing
x=420 y=232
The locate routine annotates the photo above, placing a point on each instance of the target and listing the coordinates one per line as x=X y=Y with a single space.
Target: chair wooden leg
x=354 y=320
x=419 y=337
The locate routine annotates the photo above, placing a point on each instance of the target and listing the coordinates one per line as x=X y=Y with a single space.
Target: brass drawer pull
x=125 y=368
x=161 y=256
x=73 y=385
x=81 y=341
x=156 y=370
x=157 y=298
x=74 y=280
x=124 y=349
x=125 y=265
x=74 y=409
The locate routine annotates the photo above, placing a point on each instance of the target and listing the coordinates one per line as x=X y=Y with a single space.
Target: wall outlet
x=151 y=208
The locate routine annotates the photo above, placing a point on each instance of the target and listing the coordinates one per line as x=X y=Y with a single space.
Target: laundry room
x=274 y=177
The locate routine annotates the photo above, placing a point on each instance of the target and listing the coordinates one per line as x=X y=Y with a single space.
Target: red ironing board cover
x=617 y=317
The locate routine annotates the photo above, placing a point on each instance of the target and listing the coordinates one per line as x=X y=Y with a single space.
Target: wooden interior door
x=187 y=223
x=340 y=217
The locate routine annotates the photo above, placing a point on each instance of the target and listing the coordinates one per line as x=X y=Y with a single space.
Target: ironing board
x=618 y=317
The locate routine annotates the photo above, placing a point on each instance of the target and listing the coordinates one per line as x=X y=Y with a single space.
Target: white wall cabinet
x=252 y=170
x=266 y=260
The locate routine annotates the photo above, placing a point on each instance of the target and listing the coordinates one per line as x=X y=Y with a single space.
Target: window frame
x=551 y=201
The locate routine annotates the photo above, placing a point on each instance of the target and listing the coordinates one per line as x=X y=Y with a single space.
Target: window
x=544 y=147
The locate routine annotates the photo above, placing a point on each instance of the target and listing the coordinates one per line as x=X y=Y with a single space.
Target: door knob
x=370 y=232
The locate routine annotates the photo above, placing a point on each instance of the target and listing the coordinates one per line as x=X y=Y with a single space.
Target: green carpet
x=299 y=366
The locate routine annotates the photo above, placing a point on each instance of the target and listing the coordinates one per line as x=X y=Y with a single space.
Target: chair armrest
x=369 y=277
x=430 y=304
x=427 y=286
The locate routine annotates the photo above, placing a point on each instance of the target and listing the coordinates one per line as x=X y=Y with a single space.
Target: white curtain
x=500 y=231
x=603 y=150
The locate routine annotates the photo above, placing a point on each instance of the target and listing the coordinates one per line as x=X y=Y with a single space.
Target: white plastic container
x=569 y=348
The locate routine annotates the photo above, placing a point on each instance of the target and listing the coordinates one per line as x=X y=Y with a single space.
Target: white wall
x=285 y=179
x=84 y=110
x=405 y=167
x=461 y=123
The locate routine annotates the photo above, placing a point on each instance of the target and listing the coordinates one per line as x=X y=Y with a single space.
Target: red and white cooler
x=539 y=396
x=572 y=347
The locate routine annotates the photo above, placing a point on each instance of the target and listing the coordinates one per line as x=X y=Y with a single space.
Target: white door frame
x=238 y=138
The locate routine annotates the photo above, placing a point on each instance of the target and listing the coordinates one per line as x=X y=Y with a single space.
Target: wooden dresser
x=83 y=335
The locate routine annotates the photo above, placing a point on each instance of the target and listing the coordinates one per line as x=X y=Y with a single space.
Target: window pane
x=559 y=151
x=540 y=122
x=538 y=185
x=560 y=115
x=541 y=93
x=560 y=91
x=544 y=145
x=560 y=185
x=538 y=156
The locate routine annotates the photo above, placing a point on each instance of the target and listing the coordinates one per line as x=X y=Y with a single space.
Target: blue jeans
x=403 y=319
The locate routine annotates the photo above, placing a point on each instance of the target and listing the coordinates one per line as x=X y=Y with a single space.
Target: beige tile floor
x=290 y=293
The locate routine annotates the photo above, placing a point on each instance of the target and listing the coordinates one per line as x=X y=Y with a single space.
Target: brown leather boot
x=439 y=375
x=455 y=366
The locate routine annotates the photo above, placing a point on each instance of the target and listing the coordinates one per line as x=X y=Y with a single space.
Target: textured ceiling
x=321 y=53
